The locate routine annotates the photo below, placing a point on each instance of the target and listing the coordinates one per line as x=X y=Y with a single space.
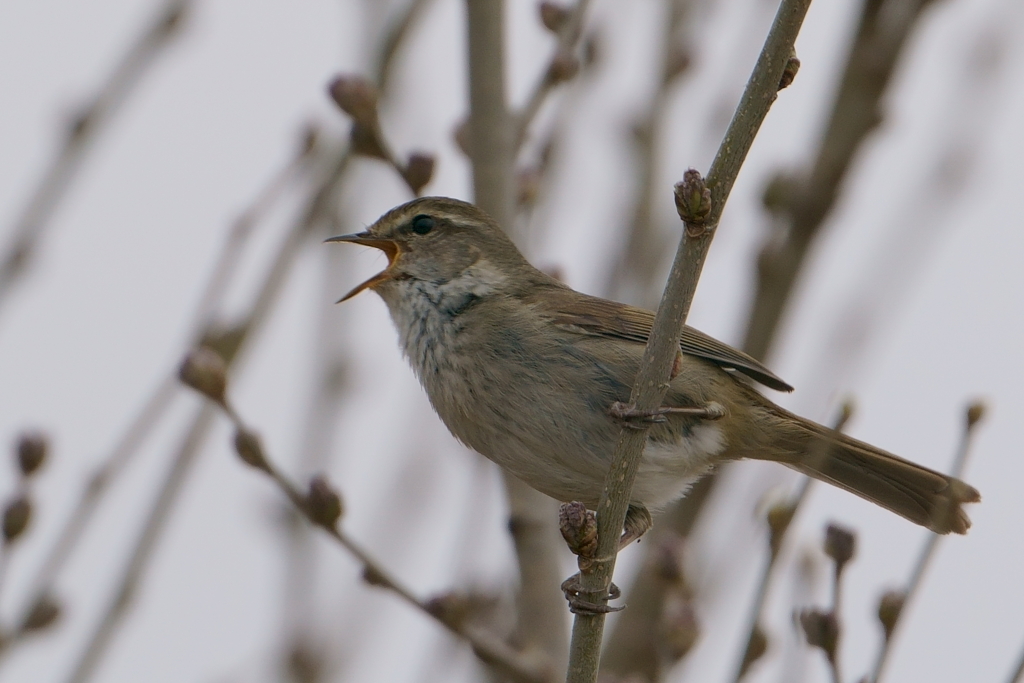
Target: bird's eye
x=421 y=225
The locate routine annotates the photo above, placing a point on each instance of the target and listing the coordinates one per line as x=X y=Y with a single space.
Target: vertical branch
x=701 y=208
x=540 y=616
x=874 y=53
x=44 y=199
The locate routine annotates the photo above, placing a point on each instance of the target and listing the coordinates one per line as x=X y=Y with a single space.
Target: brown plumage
x=525 y=370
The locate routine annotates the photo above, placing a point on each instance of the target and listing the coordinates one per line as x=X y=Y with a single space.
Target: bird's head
x=437 y=239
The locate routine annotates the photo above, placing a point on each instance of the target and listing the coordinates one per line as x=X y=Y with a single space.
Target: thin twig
x=633 y=279
x=924 y=559
x=662 y=347
x=107 y=472
x=1018 y=675
x=780 y=521
x=156 y=520
x=490 y=649
x=39 y=209
x=396 y=36
x=568 y=38
x=141 y=553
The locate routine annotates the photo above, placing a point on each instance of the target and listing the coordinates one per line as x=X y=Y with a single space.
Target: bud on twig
x=579 y=529
x=693 y=202
x=323 y=503
x=16 y=518
x=250 y=450
x=563 y=67
x=840 y=545
x=890 y=605
x=451 y=609
x=357 y=97
x=372 y=576
x=32 y=449
x=975 y=414
x=821 y=630
x=205 y=371
x=43 y=614
x=780 y=192
x=418 y=171
x=779 y=518
x=789 y=73
x=553 y=16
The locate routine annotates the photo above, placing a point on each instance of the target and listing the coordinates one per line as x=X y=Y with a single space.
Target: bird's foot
x=634 y=418
x=572 y=588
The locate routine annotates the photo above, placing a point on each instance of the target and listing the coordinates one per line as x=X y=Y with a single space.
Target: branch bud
x=372 y=576
x=357 y=97
x=563 y=67
x=821 y=630
x=43 y=614
x=553 y=16
x=890 y=605
x=205 y=371
x=975 y=414
x=779 y=518
x=418 y=171
x=789 y=73
x=579 y=528
x=840 y=545
x=323 y=503
x=16 y=518
x=32 y=447
x=780 y=192
x=693 y=202
x=250 y=450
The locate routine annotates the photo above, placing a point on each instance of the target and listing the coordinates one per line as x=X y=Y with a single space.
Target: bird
x=536 y=377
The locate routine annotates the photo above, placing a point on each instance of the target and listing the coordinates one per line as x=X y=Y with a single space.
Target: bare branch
x=322 y=508
x=35 y=217
x=879 y=42
x=562 y=66
x=234 y=342
x=973 y=416
x=540 y=619
x=656 y=364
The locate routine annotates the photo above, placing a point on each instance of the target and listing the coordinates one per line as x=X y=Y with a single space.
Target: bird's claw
x=633 y=418
x=572 y=589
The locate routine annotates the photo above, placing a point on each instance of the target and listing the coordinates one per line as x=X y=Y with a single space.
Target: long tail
x=917 y=493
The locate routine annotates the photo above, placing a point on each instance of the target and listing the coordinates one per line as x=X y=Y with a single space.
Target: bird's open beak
x=389 y=247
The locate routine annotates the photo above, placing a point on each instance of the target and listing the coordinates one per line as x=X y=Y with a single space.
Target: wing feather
x=601 y=317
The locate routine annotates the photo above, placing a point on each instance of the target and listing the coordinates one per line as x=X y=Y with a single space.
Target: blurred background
x=169 y=170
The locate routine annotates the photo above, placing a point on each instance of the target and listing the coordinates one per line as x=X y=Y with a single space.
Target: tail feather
x=923 y=496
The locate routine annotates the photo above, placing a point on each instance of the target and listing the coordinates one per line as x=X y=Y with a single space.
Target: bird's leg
x=638 y=522
x=633 y=418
